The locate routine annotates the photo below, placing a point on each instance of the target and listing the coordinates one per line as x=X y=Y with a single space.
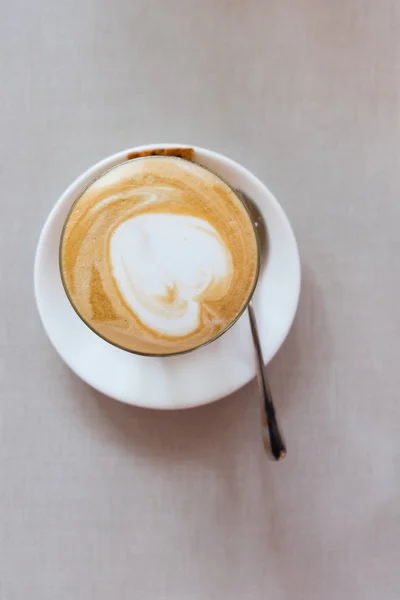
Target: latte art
x=159 y=255
x=187 y=264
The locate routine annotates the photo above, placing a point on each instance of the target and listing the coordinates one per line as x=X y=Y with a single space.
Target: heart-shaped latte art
x=167 y=266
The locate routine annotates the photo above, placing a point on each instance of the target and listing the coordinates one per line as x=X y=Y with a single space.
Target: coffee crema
x=159 y=255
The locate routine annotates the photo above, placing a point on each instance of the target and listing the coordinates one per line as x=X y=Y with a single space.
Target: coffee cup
x=159 y=255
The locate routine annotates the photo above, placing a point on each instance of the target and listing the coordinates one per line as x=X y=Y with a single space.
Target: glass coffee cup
x=159 y=256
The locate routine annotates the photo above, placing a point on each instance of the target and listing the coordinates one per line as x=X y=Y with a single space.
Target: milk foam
x=165 y=265
x=159 y=255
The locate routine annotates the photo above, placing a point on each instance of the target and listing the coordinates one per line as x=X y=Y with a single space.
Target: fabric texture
x=100 y=500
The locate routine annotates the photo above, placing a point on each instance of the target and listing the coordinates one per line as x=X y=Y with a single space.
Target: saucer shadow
x=196 y=434
x=306 y=352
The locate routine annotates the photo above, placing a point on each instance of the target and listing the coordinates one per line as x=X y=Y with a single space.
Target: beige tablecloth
x=103 y=501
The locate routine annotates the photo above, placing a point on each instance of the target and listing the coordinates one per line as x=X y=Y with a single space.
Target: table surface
x=101 y=500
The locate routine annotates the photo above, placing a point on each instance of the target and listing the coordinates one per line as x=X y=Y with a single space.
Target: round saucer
x=199 y=377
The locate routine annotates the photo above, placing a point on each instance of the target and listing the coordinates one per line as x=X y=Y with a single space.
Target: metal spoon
x=271 y=434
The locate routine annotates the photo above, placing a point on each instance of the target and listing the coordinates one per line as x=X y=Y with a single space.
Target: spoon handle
x=272 y=438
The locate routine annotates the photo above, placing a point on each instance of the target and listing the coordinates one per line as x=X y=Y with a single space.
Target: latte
x=159 y=255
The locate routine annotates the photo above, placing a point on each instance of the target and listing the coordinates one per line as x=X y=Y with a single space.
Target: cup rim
x=220 y=333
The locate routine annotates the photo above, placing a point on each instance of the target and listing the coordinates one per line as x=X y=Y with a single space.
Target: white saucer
x=204 y=375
